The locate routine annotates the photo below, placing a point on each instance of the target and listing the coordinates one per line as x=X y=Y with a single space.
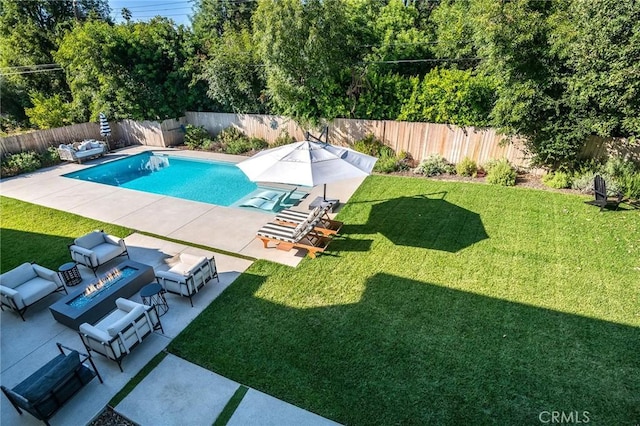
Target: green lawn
x=443 y=303
x=33 y=233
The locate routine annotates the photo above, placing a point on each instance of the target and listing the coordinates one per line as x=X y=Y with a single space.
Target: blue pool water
x=197 y=180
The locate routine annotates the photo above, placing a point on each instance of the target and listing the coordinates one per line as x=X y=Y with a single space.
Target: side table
x=70 y=274
x=153 y=295
x=319 y=201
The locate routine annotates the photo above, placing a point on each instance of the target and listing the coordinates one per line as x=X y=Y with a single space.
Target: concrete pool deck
x=224 y=228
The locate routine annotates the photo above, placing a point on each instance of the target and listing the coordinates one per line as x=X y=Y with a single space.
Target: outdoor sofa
x=188 y=276
x=97 y=248
x=25 y=285
x=78 y=152
x=123 y=329
x=44 y=392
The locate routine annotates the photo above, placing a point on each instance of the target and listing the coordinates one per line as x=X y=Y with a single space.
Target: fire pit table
x=99 y=297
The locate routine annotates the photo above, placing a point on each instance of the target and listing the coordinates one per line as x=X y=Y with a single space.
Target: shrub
x=583 y=181
x=50 y=157
x=557 y=180
x=434 y=165
x=23 y=162
x=283 y=139
x=393 y=163
x=233 y=141
x=467 y=167
x=501 y=173
x=371 y=146
x=617 y=167
x=386 y=165
x=630 y=185
x=238 y=146
x=258 y=144
x=196 y=137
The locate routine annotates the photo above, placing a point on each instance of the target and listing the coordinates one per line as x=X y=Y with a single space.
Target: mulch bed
x=109 y=417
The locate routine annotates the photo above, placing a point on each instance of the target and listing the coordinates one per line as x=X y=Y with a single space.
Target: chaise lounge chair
x=319 y=216
x=301 y=237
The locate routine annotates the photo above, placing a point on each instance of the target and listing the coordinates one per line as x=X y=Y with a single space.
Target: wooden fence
x=419 y=139
x=125 y=132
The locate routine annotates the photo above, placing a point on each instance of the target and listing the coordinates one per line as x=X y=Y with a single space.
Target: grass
x=34 y=233
x=443 y=303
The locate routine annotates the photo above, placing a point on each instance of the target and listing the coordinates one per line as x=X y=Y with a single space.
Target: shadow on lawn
x=423 y=221
x=416 y=353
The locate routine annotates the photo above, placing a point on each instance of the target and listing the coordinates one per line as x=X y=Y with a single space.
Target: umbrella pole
x=324 y=195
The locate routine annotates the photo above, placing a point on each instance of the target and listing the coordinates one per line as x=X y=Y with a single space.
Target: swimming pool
x=212 y=182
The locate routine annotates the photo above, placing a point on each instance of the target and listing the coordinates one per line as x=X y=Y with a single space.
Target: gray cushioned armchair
x=97 y=248
x=25 y=285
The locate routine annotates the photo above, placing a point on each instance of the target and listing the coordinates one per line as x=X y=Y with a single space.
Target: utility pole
x=75 y=9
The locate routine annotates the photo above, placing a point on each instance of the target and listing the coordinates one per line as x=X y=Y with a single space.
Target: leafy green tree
x=450 y=96
x=29 y=33
x=234 y=73
x=213 y=17
x=49 y=112
x=600 y=42
x=454 y=30
x=379 y=96
x=308 y=51
x=400 y=35
x=127 y=70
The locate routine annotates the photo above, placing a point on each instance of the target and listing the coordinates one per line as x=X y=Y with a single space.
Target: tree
x=450 y=96
x=29 y=33
x=212 y=17
x=400 y=35
x=126 y=14
x=127 y=70
x=308 y=50
x=600 y=42
x=49 y=112
x=234 y=73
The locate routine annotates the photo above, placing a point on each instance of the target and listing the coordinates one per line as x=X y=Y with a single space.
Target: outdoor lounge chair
x=323 y=223
x=602 y=198
x=96 y=249
x=25 y=285
x=301 y=237
x=188 y=276
x=118 y=333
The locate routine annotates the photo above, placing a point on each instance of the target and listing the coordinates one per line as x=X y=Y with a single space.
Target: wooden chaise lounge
x=323 y=223
x=301 y=237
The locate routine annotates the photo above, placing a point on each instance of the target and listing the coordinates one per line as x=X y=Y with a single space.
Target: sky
x=144 y=10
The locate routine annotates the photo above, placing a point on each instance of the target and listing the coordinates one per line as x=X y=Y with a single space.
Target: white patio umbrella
x=307 y=163
x=105 y=130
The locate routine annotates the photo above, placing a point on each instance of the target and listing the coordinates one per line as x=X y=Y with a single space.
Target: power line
x=29 y=66
x=31 y=72
x=186 y=4
x=410 y=61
